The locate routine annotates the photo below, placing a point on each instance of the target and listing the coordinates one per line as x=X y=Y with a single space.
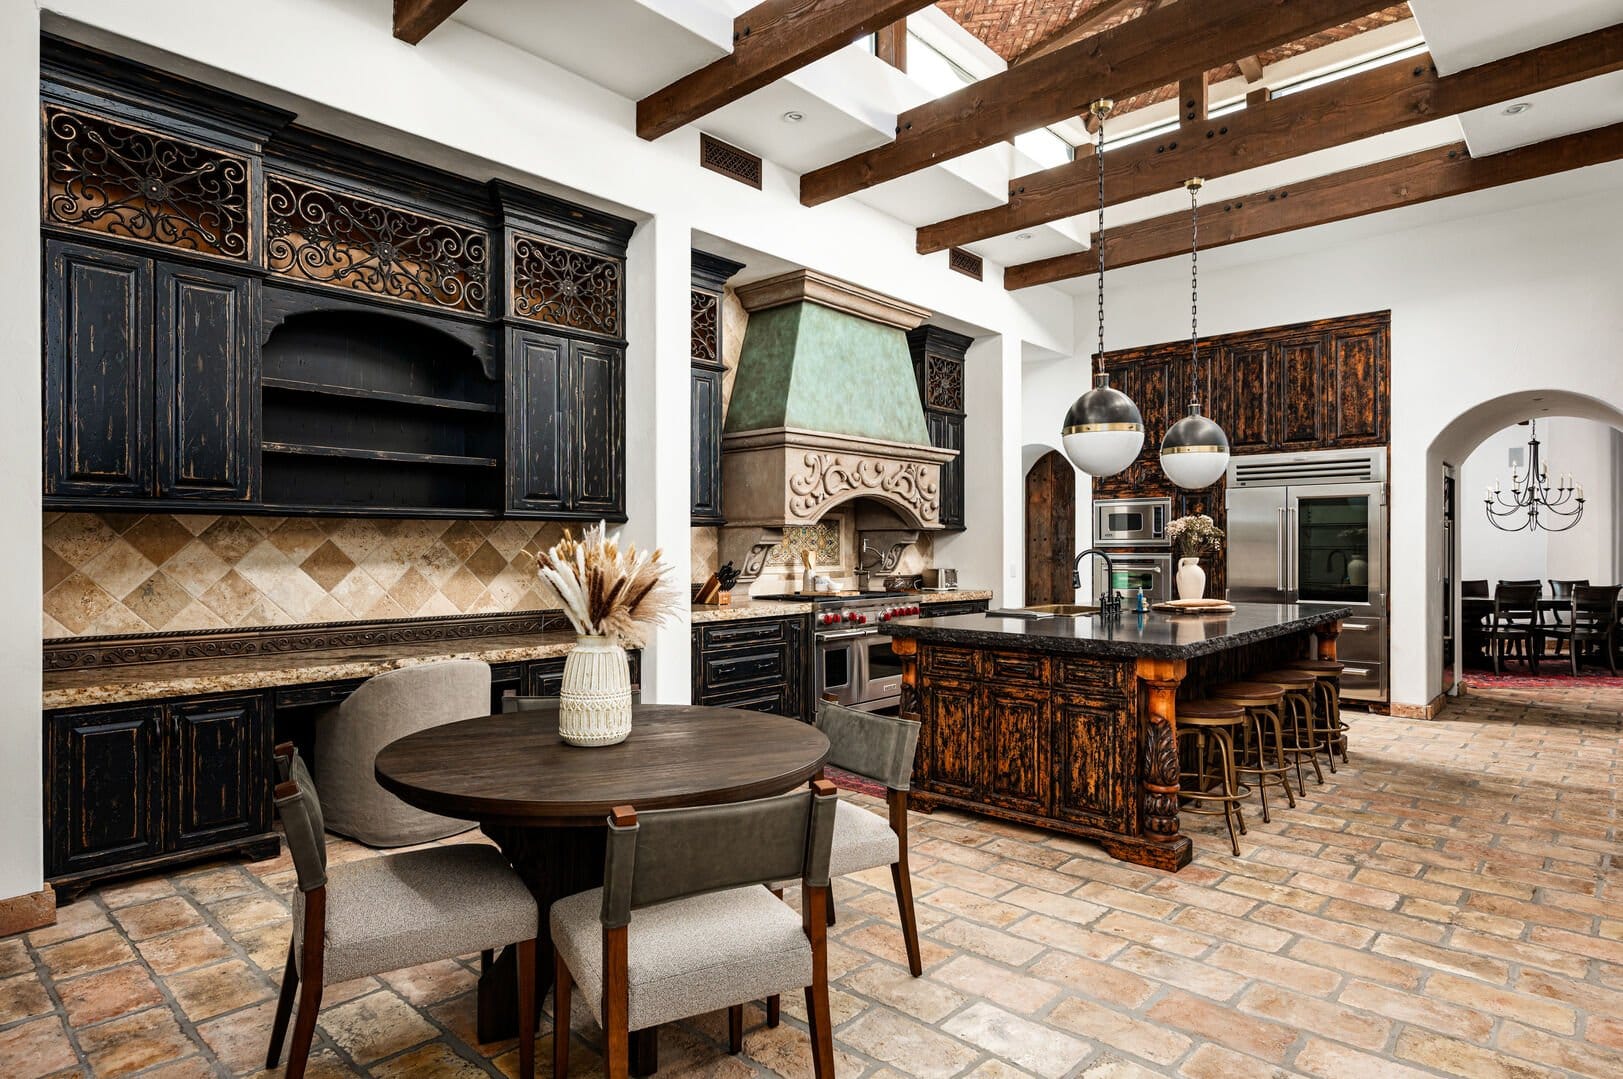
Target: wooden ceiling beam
x=770 y=40
x=1250 y=67
x=1425 y=176
x=1145 y=53
x=414 y=19
x=1076 y=29
x=1393 y=96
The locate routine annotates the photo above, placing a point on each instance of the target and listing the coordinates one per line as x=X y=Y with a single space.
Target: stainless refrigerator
x=1311 y=528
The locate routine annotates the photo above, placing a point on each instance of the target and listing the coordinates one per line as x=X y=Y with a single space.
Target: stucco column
x=990 y=551
x=659 y=279
x=21 y=855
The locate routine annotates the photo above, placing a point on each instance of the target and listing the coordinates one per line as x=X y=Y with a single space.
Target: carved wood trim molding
x=72 y=653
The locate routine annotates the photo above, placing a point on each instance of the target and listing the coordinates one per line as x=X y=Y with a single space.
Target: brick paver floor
x=1445 y=905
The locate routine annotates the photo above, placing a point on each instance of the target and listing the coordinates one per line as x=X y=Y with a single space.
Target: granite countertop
x=743 y=608
x=226 y=674
x=1152 y=635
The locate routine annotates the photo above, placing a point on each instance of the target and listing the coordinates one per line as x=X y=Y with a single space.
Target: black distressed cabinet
x=938 y=364
x=759 y=664
x=710 y=274
x=150 y=368
x=131 y=783
x=566 y=426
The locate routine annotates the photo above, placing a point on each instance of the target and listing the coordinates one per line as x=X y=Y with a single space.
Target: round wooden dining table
x=545 y=802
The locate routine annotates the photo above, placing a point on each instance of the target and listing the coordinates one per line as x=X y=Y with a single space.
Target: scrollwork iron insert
x=118 y=180
x=706 y=317
x=565 y=287
x=944 y=383
x=345 y=241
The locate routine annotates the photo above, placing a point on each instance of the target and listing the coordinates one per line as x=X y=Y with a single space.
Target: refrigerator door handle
x=1279 y=549
x=1292 y=570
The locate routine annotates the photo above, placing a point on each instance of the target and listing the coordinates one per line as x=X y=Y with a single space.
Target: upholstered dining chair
x=386 y=913
x=388 y=706
x=683 y=924
x=1591 y=620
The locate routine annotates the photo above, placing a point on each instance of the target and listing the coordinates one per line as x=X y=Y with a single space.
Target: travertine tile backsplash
x=135 y=573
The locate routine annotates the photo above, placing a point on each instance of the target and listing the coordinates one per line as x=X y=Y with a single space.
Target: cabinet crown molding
x=819 y=288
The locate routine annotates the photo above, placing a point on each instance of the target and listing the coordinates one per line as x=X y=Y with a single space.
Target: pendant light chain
x=1100 y=110
x=1194 y=186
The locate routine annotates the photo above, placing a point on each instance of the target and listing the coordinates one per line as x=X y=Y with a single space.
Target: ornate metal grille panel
x=348 y=242
x=729 y=160
x=965 y=262
x=118 y=180
x=706 y=327
x=565 y=287
x=943 y=384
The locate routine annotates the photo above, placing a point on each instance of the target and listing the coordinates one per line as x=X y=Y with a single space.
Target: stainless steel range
x=854 y=659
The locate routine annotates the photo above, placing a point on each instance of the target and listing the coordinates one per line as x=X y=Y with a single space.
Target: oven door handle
x=848 y=634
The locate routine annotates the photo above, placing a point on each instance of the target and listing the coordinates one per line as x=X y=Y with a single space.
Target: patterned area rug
x=848 y=782
x=1552 y=675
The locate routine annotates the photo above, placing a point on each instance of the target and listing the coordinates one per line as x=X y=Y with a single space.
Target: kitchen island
x=1070 y=723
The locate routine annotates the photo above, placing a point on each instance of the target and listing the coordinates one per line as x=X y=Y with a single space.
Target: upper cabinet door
x=705 y=403
x=207 y=378
x=1357 y=387
x=1300 y=362
x=98 y=372
x=537 y=415
x=598 y=437
x=1245 y=396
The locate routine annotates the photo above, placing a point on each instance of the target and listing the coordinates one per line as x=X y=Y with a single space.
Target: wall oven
x=1131 y=571
x=1131 y=522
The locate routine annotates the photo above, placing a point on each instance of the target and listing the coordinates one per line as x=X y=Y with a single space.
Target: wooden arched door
x=1050 y=529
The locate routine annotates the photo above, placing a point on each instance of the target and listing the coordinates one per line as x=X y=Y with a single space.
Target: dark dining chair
x=1559 y=616
x=380 y=914
x=683 y=925
x=1514 y=623
x=1591 y=619
x=1474 y=589
x=1473 y=630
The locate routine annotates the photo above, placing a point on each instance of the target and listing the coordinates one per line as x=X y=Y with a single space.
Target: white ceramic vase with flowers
x=609 y=594
x=1192 y=536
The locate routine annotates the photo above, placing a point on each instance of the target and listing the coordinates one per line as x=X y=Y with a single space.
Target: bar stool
x=1299 y=691
x=1328 y=672
x=1263 y=704
x=1211 y=724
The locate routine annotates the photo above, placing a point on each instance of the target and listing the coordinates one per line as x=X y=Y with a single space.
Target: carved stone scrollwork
x=122 y=181
x=565 y=287
x=943 y=384
x=706 y=327
x=342 y=240
x=828 y=477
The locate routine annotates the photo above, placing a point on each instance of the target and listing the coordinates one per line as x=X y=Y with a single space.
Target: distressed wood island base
x=1070 y=724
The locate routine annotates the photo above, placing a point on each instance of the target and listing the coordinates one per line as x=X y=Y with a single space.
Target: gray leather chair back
x=672 y=853
x=875 y=747
x=387 y=707
x=300 y=810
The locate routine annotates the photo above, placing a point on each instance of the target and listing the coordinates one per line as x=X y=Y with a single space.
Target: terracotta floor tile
x=39 y=1047
x=374 y=1026
x=122 y=1046
x=21 y=997
x=223 y=987
x=431 y=982
x=240 y=1040
x=248 y=911
x=225 y=882
x=894 y=1038
x=157 y=917
x=107 y=994
x=14 y=957
x=84 y=954
x=79 y=918
x=129 y=893
x=189 y=948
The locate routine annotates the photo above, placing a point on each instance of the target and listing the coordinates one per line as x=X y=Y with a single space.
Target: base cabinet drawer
x=762 y=664
x=736 y=668
x=773 y=699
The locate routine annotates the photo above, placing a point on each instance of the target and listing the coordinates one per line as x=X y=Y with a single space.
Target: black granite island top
x=1152 y=635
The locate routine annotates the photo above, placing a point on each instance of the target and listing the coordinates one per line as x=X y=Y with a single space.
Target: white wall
x=21 y=860
x=1486 y=553
x=1507 y=291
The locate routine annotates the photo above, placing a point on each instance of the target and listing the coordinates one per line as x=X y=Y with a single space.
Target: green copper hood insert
x=825 y=409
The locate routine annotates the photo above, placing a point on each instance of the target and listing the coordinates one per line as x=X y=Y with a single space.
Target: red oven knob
x=915 y=609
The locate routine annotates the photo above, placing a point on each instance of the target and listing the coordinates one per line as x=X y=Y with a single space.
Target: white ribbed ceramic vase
x=594 y=705
x=1191 y=579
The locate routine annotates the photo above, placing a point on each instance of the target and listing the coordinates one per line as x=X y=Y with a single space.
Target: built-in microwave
x=1131 y=522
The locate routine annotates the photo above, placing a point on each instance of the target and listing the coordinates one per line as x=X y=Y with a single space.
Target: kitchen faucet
x=1110 y=602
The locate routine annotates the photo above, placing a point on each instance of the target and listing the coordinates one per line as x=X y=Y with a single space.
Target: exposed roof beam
x=770 y=40
x=1250 y=67
x=1393 y=96
x=1403 y=181
x=413 y=19
x=1145 y=53
x=1077 y=29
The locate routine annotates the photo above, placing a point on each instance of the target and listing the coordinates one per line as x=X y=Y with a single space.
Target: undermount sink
x=1061 y=610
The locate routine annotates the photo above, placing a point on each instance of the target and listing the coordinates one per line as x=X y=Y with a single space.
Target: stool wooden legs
x=1197 y=785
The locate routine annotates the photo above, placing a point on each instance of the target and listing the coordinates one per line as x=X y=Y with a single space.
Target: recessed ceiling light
x=1518 y=108
x=1022 y=236
x=792 y=117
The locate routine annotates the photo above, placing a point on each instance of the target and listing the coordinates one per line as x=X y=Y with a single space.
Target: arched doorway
x=1050 y=529
x=1453 y=445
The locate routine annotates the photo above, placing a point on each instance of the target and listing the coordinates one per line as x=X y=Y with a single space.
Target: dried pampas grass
x=606 y=590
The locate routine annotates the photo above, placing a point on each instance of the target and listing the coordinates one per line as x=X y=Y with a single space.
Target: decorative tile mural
x=136 y=573
x=821 y=539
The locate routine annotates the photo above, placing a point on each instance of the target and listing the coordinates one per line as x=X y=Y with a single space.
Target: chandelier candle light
x=1531 y=496
x=609 y=594
x=1195 y=451
x=1104 y=430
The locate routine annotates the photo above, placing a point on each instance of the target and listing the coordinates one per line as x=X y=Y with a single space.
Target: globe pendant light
x=1104 y=430
x=1195 y=451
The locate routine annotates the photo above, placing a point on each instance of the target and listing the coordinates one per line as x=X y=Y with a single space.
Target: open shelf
x=356 y=453
x=358 y=393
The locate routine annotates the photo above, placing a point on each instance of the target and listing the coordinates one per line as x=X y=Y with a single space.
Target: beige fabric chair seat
x=862 y=840
x=420 y=906
x=689 y=956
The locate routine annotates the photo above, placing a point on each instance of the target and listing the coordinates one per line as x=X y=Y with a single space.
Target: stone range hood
x=825 y=410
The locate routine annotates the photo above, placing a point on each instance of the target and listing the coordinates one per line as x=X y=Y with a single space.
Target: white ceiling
x=1465 y=33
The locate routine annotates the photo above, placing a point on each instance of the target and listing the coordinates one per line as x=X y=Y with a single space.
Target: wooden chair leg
x=304 y=1028
x=284 y=1009
x=735 y=1029
x=902 y=880
x=774 y=1003
x=818 y=1029
x=526 y=1008
x=562 y=984
x=616 y=1005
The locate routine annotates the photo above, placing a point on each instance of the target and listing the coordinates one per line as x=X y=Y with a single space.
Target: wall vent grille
x=729 y=160
x=1272 y=470
x=964 y=262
